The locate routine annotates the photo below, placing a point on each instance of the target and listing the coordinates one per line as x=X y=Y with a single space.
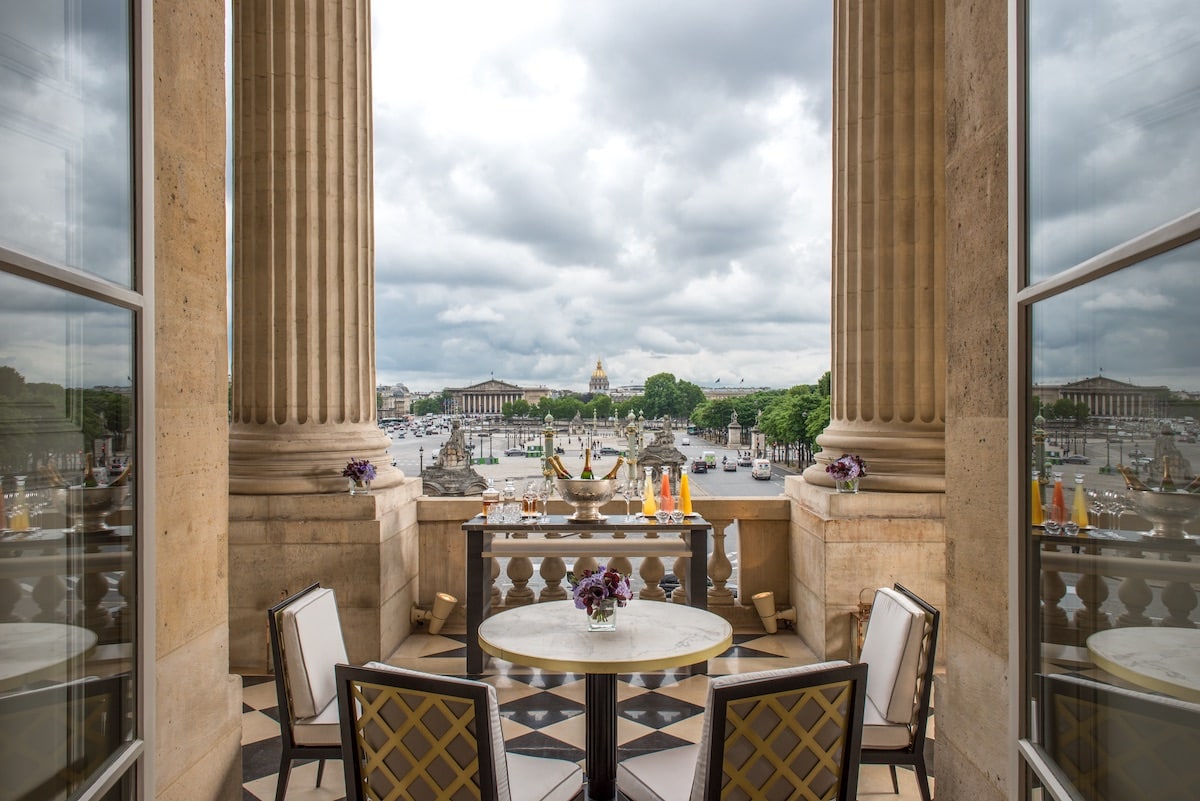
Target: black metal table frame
x=481 y=545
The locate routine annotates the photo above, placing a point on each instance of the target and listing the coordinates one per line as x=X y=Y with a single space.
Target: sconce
x=764 y=604
x=443 y=605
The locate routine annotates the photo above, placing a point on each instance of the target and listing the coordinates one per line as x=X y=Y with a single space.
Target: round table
x=38 y=650
x=650 y=635
x=1166 y=660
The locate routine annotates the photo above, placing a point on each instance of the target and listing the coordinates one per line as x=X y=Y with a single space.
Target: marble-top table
x=650 y=635
x=40 y=650
x=1165 y=660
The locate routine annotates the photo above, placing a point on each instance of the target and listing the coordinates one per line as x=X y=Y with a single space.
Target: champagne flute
x=624 y=491
x=543 y=493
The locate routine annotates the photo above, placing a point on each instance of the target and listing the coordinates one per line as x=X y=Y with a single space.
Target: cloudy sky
x=643 y=183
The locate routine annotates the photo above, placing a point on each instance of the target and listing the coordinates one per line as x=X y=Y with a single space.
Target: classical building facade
x=1107 y=397
x=598 y=385
x=488 y=397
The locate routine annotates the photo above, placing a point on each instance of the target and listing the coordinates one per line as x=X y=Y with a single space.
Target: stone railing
x=1130 y=581
x=762 y=526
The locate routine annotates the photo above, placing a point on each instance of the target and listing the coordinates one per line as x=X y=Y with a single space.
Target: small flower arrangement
x=359 y=471
x=598 y=585
x=846 y=467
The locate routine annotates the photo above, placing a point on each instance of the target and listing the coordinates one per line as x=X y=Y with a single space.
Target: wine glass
x=544 y=490
x=1096 y=505
x=622 y=491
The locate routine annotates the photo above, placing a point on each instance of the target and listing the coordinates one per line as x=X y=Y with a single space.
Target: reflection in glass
x=67 y=583
x=1116 y=377
x=1113 y=153
x=65 y=135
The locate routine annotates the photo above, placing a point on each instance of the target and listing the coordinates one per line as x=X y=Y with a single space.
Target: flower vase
x=359 y=486
x=848 y=486
x=603 y=616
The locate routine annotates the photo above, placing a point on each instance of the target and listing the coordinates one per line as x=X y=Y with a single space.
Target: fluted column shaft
x=889 y=321
x=303 y=285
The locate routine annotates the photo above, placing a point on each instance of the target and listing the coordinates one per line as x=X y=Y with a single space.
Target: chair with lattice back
x=410 y=734
x=791 y=733
x=1114 y=744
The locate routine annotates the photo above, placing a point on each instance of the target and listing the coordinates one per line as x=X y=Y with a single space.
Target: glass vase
x=848 y=486
x=603 y=616
x=359 y=486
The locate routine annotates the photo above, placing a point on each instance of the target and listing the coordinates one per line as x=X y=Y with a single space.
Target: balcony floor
x=543 y=712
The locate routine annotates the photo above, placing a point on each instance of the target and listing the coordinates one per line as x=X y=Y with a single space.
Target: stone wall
x=197 y=703
x=975 y=740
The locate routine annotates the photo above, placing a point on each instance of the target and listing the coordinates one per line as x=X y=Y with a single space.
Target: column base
x=897 y=460
x=294 y=459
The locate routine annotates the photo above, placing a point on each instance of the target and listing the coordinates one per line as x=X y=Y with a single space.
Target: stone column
x=888 y=392
x=303 y=293
x=303 y=335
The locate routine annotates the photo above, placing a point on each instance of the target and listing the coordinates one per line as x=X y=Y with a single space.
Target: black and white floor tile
x=543 y=712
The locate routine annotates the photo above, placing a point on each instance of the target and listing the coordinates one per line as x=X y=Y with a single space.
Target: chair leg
x=895 y=781
x=285 y=767
x=922 y=779
x=321 y=770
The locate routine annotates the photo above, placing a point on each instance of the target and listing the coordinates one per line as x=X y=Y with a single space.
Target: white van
x=711 y=458
x=761 y=468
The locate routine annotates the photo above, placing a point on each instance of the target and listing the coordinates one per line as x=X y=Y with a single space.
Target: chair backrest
x=54 y=738
x=306 y=642
x=794 y=732
x=899 y=647
x=1114 y=743
x=406 y=734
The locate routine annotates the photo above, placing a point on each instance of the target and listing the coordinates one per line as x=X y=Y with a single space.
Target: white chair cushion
x=892 y=652
x=543 y=779
x=312 y=645
x=321 y=729
x=879 y=733
x=659 y=776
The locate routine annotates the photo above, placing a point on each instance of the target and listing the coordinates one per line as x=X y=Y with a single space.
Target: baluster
x=10 y=593
x=621 y=564
x=520 y=571
x=652 y=572
x=1055 y=627
x=553 y=571
x=1135 y=595
x=495 y=591
x=1180 y=600
x=681 y=569
x=123 y=617
x=719 y=568
x=90 y=589
x=49 y=593
x=584 y=563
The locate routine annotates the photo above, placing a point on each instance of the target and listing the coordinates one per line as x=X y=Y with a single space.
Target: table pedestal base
x=600 y=699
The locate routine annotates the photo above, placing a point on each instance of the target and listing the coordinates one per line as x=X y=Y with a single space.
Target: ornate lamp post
x=421 y=454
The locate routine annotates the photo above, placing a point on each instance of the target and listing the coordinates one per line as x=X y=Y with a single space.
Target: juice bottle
x=1035 y=505
x=20 y=511
x=665 y=501
x=649 y=507
x=1058 y=501
x=685 y=494
x=1079 y=506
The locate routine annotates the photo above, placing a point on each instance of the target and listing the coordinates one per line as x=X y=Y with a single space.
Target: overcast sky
x=643 y=183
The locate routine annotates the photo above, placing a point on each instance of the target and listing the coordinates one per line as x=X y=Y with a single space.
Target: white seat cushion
x=543 y=779
x=892 y=652
x=312 y=645
x=321 y=729
x=659 y=776
x=879 y=733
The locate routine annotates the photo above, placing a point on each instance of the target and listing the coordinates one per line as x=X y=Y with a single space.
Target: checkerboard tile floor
x=543 y=712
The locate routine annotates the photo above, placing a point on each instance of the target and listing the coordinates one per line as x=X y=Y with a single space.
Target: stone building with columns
x=488 y=397
x=1107 y=397
x=231 y=514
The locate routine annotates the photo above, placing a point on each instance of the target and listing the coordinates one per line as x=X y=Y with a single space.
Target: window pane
x=1116 y=375
x=1114 y=104
x=65 y=134
x=67 y=580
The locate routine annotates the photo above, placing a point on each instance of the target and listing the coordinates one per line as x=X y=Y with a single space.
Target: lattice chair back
x=1115 y=744
x=413 y=735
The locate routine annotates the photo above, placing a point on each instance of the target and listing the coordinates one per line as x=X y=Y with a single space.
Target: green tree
x=517 y=408
x=662 y=396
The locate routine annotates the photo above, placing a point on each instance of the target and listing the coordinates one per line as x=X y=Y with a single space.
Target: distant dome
x=599 y=382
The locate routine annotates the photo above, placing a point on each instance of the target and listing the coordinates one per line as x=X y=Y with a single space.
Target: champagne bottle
x=89 y=476
x=123 y=477
x=1194 y=486
x=611 y=474
x=1168 y=483
x=557 y=466
x=1131 y=481
x=587 y=463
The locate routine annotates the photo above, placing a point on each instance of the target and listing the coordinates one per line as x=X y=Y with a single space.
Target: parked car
x=729 y=466
x=699 y=466
x=609 y=450
x=1076 y=458
x=514 y=451
x=761 y=469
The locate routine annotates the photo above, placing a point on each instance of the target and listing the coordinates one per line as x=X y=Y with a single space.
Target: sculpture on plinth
x=451 y=473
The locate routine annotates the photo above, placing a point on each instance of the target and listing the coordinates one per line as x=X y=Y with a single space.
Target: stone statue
x=451 y=473
x=665 y=437
x=454 y=452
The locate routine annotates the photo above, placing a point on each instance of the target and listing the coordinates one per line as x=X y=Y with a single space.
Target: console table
x=486 y=540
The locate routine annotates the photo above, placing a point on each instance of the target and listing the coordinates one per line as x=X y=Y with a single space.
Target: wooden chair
x=306 y=643
x=789 y=734
x=413 y=735
x=899 y=648
x=1114 y=744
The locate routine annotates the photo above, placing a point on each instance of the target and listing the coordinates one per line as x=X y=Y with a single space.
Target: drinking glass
x=544 y=490
x=623 y=492
x=1096 y=505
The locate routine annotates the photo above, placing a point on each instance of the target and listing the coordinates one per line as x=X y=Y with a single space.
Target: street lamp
x=421 y=454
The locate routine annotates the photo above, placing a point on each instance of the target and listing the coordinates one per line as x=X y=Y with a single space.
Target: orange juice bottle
x=649 y=507
x=1035 y=505
x=1079 y=507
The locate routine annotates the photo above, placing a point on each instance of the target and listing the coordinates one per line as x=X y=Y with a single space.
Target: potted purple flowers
x=600 y=592
x=359 y=473
x=846 y=470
